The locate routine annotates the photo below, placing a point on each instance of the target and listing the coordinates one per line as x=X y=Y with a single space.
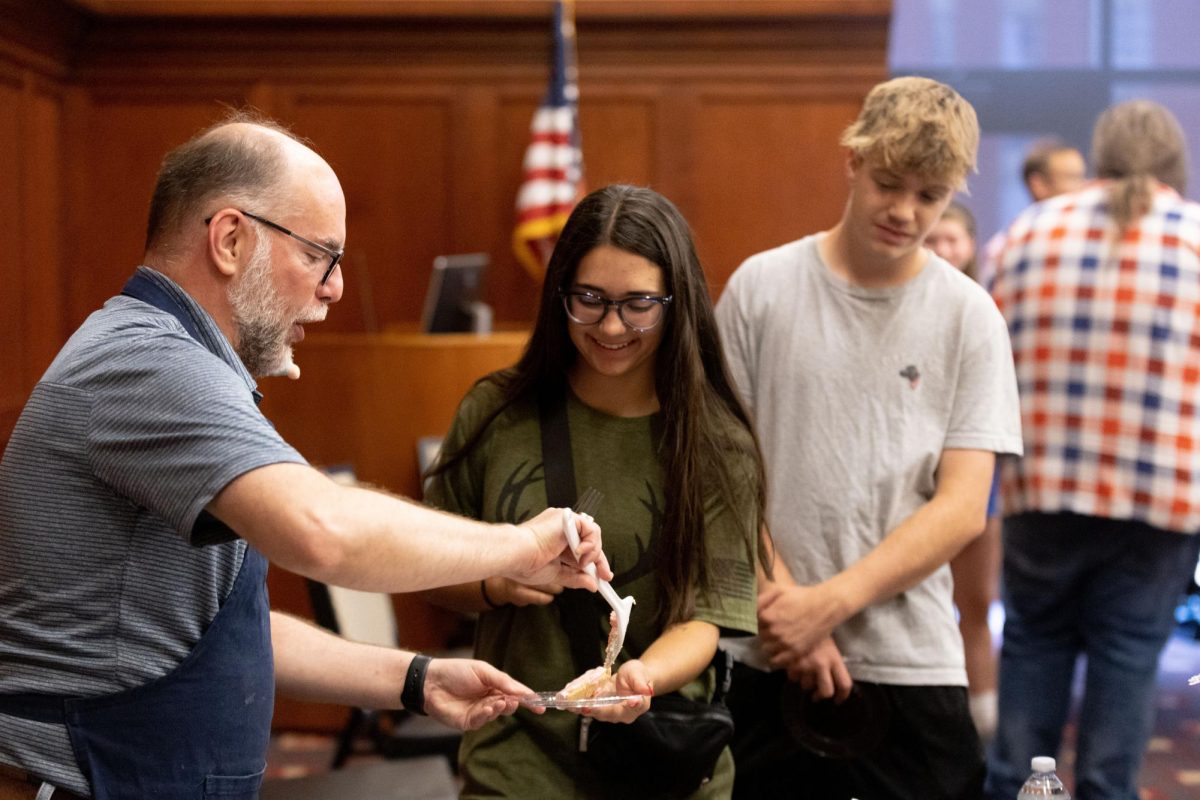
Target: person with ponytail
x=1100 y=289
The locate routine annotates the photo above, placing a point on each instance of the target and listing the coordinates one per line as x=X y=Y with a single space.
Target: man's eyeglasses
x=640 y=313
x=335 y=256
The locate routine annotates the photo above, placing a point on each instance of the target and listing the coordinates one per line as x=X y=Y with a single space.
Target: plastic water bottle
x=1043 y=782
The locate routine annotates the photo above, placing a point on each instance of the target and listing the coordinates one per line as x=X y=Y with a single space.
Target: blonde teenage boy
x=881 y=383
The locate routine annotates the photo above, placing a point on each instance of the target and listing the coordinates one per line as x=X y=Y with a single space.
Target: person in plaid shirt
x=1101 y=291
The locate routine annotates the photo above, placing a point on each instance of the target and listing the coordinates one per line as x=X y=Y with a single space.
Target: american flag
x=552 y=173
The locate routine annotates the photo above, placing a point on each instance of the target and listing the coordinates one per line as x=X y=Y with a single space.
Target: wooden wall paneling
x=14 y=328
x=490 y=63
x=392 y=152
x=619 y=141
x=41 y=227
x=40 y=35
x=773 y=174
x=264 y=96
x=29 y=201
x=675 y=112
x=388 y=52
x=475 y=223
x=79 y=210
x=486 y=8
x=120 y=141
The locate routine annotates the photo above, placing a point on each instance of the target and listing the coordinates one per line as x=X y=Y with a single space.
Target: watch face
x=826 y=728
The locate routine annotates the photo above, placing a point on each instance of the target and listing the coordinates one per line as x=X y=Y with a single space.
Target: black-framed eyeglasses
x=335 y=256
x=640 y=312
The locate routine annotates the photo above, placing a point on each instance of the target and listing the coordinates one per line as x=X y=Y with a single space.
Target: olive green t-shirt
x=502 y=480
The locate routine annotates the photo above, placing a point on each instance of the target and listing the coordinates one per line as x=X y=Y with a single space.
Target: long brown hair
x=695 y=393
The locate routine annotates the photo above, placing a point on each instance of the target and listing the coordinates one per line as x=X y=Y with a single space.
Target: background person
x=880 y=382
x=1052 y=167
x=142 y=494
x=1100 y=290
x=625 y=337
x=976 y=570
x=953 y=237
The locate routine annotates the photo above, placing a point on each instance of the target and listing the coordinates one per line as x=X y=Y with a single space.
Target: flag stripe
x=552 y=169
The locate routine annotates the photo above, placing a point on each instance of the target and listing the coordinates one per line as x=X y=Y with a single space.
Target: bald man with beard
x=142 y=495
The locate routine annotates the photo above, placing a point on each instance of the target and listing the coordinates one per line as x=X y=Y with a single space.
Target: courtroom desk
x=364 y=400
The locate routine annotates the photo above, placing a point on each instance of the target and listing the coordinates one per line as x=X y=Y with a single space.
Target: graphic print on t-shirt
x=508 y=500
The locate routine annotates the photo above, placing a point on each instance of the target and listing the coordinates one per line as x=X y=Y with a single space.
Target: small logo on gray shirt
x=912 y=374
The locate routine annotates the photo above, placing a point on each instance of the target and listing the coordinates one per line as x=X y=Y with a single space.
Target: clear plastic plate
x=552 y=700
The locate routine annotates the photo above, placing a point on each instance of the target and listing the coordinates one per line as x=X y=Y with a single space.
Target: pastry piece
x=586 y=685
x=589 y=683
x=613 y=647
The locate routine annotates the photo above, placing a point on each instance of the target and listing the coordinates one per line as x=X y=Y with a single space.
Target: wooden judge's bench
x=363 y=401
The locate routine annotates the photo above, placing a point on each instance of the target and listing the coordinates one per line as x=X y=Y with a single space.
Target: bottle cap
x=1043 y=764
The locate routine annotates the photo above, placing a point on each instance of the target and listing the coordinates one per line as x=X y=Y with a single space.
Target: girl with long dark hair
x=627 y=343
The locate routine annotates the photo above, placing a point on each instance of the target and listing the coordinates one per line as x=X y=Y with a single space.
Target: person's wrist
x=412 y=696
x=838 y=600
x=491 y=596
x=524 y=556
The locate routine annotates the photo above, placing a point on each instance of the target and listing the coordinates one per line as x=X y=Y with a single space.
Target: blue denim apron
x=201 y=730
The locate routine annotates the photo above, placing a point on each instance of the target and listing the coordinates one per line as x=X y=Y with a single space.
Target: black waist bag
x=671 y=750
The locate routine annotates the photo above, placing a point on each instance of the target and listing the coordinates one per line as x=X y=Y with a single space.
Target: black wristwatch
x=412 y=696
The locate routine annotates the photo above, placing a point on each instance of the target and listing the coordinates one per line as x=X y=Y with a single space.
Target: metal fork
x=586 y=505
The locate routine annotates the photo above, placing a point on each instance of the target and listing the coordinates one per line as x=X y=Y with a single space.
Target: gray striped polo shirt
x=104 y=586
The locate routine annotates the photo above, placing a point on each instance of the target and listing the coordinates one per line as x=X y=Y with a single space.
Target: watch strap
x=412 y=696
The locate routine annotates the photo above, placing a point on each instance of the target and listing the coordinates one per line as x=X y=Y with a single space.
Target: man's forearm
x=315 y=665
x=909 y=554
x=362 y=539
x=919 y=545
x=385 y=535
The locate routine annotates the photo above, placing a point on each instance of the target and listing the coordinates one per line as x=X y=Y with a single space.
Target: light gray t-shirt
x=855 y=393
x=132 y=431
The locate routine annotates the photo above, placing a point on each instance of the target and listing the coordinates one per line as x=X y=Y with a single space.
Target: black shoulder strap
x=556 y=447
x=579 y=610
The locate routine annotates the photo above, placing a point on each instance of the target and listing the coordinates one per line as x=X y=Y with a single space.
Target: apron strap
x=142 y=287
x=207 y=530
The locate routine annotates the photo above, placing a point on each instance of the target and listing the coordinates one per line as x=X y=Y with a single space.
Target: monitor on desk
x=453 y=304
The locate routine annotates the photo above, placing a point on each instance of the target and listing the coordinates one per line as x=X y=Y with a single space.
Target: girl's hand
x=631 y=678
x=505 y=591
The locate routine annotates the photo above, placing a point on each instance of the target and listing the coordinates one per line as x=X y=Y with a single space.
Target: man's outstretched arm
x=373 y=541
x=313 y=664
